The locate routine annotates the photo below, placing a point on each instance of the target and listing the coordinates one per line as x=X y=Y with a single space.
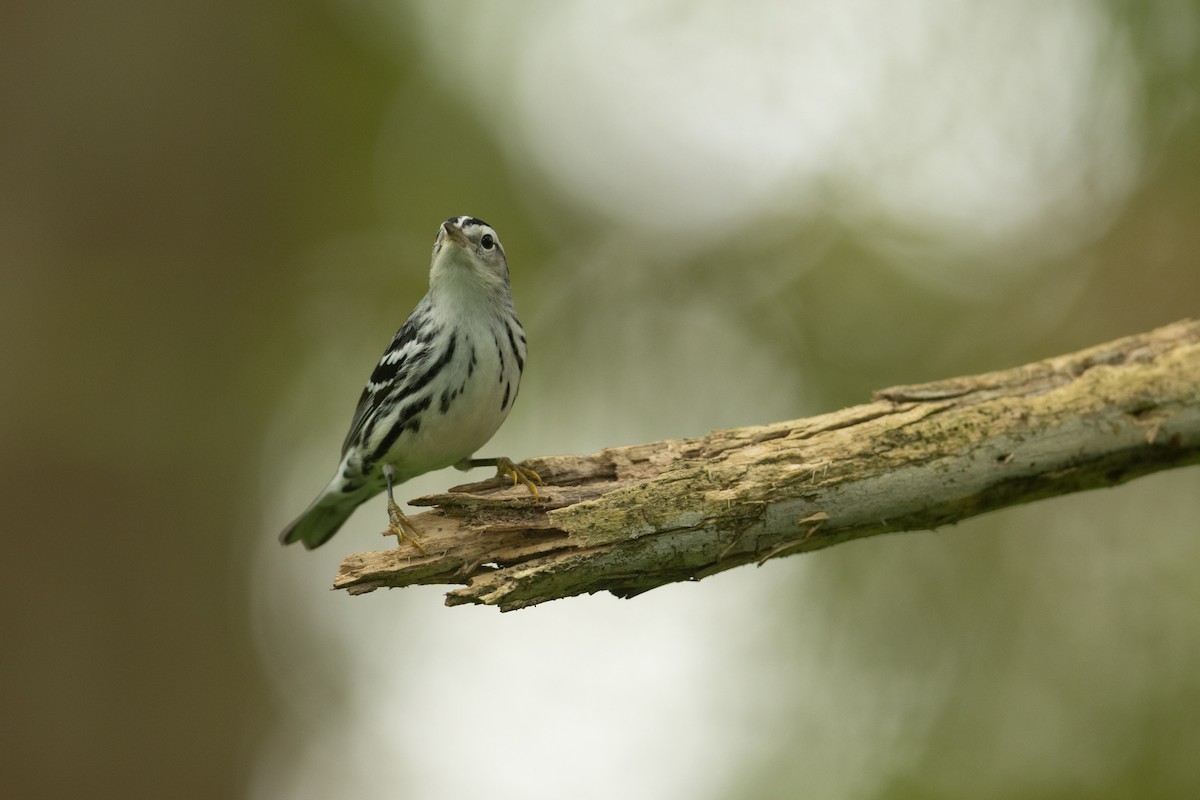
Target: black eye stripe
x=487 y=241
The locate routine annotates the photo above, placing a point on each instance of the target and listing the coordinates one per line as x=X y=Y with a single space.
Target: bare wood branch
x=628 y=519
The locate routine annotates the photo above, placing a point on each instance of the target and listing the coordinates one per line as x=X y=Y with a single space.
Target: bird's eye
x=487 y=242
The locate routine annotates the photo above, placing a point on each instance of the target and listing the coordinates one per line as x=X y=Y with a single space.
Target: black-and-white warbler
x=442 y=389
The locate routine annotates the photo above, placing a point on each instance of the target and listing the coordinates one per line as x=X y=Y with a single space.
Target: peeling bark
x=628 y=519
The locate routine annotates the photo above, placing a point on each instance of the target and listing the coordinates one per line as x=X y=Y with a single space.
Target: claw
x=505 y=466
x=402 y=528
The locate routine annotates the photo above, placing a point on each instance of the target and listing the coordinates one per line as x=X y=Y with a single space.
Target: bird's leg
x=399 y=525
x=505 y=467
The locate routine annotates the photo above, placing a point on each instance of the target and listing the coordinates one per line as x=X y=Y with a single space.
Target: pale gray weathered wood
x=628 y=519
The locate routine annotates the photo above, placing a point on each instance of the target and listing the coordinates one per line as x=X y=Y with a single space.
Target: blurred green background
x=213 y=217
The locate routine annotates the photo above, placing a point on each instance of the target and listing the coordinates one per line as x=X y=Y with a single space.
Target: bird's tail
x=321 y=520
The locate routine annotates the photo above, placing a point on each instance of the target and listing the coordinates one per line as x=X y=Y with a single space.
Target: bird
x=441 y=390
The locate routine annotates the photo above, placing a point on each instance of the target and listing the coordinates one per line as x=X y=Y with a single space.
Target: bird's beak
x=455 y=234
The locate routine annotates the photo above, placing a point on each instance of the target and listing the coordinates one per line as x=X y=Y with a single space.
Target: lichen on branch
x=628 y=519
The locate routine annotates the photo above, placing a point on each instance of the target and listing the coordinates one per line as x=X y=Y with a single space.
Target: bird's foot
x=506 y=467
x=402 y=528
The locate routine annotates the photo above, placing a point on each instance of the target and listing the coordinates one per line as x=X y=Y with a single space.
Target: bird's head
x=467 y=254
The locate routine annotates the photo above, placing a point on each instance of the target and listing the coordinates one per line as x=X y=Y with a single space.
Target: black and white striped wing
x=408 y=350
